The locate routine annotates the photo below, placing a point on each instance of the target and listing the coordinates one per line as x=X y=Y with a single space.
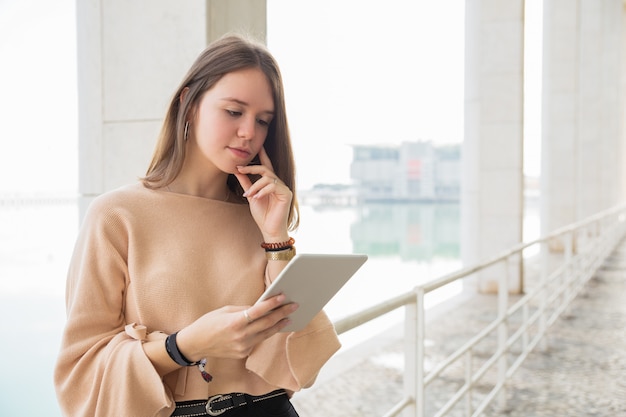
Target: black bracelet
x=278 y=249
x=174 y=353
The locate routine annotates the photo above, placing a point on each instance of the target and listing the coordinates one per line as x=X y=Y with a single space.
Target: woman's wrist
x=174 y=352
x=184 y=346
x=157 y=354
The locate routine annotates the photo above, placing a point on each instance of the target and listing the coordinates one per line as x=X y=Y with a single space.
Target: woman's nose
x=247 y=128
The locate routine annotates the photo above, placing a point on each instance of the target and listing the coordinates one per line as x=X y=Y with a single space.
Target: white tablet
x=311 y=280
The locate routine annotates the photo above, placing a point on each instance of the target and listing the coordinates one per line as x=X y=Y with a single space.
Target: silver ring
x=275 y=180
x=247 y=316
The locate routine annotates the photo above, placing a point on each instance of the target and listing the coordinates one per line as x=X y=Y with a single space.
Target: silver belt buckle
x=209 y=408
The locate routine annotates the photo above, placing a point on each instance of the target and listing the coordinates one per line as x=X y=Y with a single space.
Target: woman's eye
x=263 y=122
x=234 y=113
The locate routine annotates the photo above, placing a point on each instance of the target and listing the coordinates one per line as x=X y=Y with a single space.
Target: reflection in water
x=412 y=231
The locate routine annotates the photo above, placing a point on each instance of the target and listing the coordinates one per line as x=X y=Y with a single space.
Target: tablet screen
x=311 y=280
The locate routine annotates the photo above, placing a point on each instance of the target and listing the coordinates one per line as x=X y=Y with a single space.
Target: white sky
x=359 y=73
x=354 y=72
x=38 y=121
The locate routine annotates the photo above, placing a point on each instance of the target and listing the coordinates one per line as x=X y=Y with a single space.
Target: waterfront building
x=411 y=171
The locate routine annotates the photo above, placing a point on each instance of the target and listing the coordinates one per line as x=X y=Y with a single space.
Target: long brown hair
x=228 y=54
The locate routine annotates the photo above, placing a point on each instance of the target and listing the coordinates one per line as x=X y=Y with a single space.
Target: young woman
x=165 y=273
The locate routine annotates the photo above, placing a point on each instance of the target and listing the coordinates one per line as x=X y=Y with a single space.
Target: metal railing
x=584 y=247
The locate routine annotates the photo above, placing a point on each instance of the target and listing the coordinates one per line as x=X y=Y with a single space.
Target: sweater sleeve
x=101 y=369
x=293 y=360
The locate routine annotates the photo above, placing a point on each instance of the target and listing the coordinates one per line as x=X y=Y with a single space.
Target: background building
x=412 y=171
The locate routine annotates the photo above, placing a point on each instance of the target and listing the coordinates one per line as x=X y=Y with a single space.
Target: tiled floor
x=581 y=373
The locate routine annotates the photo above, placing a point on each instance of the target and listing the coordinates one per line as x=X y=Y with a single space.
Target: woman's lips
x=240 y=153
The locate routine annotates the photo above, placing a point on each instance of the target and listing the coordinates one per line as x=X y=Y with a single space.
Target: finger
x=263 y=187
x=244 y=181
x=262 y=334
x=265 y=159
x=273 y=321
x=279 y=314
x=279 y=318
x=273 y=330
x=269 y=312
x=262 y=308
x=247 y=316
x=266 y=185
x=261 y=170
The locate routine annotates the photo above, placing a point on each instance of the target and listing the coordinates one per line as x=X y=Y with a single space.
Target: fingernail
x=293 y=306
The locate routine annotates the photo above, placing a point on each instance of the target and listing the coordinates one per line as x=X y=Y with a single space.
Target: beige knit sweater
x=146 y=264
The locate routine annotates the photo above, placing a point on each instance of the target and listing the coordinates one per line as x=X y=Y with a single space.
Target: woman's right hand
x=227 y=332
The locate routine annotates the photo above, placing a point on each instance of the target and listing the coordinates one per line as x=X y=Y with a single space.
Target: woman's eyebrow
x=243 y=103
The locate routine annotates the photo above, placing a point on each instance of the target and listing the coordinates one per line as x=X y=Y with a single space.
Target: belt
x=219 y=404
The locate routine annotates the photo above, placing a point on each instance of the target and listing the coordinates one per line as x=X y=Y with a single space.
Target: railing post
x=543 y=294
x=411 y=364
x=570 y=274
x=469 y=371
x=503 y=334
x=420 y=354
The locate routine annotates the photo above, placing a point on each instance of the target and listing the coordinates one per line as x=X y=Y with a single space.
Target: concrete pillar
x=622 y=150
x=599 y=98
x=560 y=85
x=241 y=16
x=492 y=188
x=612 y=75
x=582 y=138
x=591 y=110
x=131 y=57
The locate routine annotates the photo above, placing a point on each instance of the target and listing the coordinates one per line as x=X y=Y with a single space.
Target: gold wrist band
x=283 y=255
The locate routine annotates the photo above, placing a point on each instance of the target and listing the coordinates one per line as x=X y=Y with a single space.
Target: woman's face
x=232 y=119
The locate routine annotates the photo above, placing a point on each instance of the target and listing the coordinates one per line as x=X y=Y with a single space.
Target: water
x=406 y=244
x=35 y=246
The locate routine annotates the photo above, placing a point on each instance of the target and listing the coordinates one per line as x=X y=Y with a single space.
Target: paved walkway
x=582 y=372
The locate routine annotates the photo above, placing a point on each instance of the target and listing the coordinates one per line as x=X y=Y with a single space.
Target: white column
x=248 y=17
x=592 y=110
x=559 y=153
x=492 y=191
x=583 y=141
x=611 y=175
x=131 y=57
x=622 y=150
x=591 y=139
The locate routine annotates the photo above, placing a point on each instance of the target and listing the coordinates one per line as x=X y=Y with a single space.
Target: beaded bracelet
x=277 y=246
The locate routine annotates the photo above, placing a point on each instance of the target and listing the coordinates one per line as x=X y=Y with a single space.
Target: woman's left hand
x=269 y=198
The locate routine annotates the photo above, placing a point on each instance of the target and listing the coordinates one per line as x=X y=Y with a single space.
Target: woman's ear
x=191 y=110
x=183 y=94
